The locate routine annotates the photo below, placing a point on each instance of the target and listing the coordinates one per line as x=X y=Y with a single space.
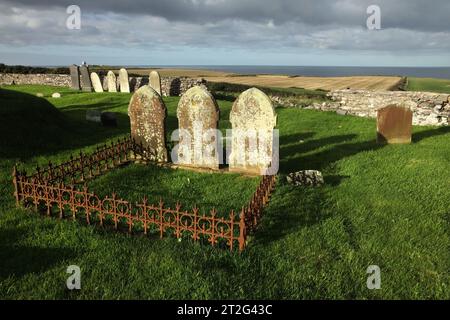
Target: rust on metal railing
x=56 y=189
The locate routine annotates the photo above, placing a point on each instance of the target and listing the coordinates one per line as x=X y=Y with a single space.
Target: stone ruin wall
x=170 y=86
x=428 y=108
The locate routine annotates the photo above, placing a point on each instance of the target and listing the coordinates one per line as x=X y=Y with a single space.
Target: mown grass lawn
x=381 y=205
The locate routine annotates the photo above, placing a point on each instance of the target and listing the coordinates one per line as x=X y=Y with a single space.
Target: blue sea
x=422 y=72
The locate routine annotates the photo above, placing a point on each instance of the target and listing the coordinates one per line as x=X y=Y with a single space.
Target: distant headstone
x=147 y=113
x=123 y=81
x=56 y=95
x=108 y=119
x=94 y=116
x=394 y=125
x=155 y=81
x=111 y=81
x=198 y=114
x=86 y=84
x=96 y=83
x=253 y=119
x=75 y=77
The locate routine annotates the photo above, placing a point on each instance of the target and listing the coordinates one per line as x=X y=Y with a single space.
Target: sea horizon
x=312 y=71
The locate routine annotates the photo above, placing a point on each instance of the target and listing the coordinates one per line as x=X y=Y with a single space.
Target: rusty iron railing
x=56 y=190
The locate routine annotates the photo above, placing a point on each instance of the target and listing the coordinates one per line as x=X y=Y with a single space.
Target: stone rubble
x=306 y=178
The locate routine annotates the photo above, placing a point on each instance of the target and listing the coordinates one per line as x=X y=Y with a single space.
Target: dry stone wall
x=428 y=108
x=170 y=86
x=59 y=80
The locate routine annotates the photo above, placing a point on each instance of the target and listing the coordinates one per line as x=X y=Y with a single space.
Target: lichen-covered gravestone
x=123 y=81
x=155 y=81
x=111 y=80
x=86 y=84
x=75 y=77
x=147 y=113
x=96 y=83
x=394 y=125
x=253 y=119
x=198 y=114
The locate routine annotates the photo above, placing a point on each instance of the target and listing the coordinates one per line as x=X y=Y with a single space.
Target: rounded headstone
x=123 y=81
x=96 y=83
x=56 y=95
x=253 y=119
x=198 y=114
x=147 y=113
x=155 y=81
x=111 y=81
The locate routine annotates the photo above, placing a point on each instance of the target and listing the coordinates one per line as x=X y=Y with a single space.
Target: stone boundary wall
x=59 y=80
x=170 y=86
x=428 y=108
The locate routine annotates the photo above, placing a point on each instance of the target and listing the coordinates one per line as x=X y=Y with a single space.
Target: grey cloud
x=407 y=14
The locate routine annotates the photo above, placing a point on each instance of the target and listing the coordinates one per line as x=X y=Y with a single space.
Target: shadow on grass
x=31 y=126
x=419 y=136
x=18 y=260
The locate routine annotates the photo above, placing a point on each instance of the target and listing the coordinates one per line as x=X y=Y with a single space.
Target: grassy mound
x=28 y=122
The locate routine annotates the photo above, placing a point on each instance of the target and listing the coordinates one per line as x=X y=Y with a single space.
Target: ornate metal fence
x=56 y=190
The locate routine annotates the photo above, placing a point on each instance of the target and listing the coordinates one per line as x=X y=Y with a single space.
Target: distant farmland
x=332 y=83
x=279 y=81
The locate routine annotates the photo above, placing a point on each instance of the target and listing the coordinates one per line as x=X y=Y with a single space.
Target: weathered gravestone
x=155 y=81
x=198 y=114
x=86 y=84
x=394 y=125
x=96 y=83
x=123 y=81
x=147 y=113
x=111 y=81
x=253 y=119
x=75 y=77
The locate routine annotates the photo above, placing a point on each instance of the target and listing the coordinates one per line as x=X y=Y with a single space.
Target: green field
x=381 y=205
x=428 y=84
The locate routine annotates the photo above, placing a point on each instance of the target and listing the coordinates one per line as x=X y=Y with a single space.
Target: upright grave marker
x=198 y=114
x=124 y=81
x=75 y=77
x=394 y=125
x=111 y=81
x=155 y=81
x=147 y=113
x=86 y=84
x=96 y=83
x=253 y=119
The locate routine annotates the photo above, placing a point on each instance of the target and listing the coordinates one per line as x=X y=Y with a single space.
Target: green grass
x=382 y=205
x=429 y=84
x=206 y=191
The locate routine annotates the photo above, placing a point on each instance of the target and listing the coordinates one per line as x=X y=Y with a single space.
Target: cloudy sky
x=226 y=32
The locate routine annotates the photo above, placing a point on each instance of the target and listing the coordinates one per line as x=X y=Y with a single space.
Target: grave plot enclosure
x=60 y=191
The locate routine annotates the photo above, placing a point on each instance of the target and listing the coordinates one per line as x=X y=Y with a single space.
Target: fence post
x=242 y=231
x=161 y=218
x=16 y=178
x=82 y=166
x=231 y=230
